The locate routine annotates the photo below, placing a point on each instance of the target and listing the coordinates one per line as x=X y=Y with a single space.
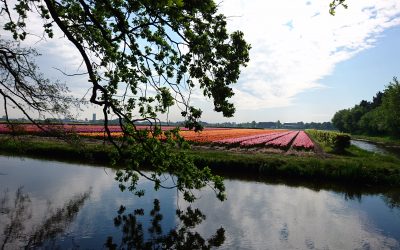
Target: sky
x=304 y=63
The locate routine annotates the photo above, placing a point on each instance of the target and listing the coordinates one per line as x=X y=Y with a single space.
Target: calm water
x=376 y=148
x=52 y=204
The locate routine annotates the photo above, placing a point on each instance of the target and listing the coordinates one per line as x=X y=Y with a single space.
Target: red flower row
x=303 y=141
x=77 y=128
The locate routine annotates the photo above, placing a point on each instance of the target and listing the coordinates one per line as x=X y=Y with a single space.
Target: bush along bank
x=362 y=168
x=330 y=140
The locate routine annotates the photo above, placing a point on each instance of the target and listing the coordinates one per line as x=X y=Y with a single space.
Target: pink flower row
x=232 y=141
x=283 y=141
x=78 y=128
x=297 y=139
x=30 y=128
x=262 y=140
x=303 y=141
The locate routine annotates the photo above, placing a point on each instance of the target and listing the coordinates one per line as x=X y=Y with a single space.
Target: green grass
x=50 y=149
x=355 y=167
x=358 y=167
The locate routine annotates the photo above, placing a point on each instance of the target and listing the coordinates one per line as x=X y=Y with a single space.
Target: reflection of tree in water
x=390 y=195
x=16 y=214
x=392 y=198
x=183 y=237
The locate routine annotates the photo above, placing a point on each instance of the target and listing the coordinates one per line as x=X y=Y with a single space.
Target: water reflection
x=183 y=237
x=392 y=199
x=49 y=218
x=18 y=229
x=390 y=195
x=376 y=148
x=259 y=213
x=259 y=216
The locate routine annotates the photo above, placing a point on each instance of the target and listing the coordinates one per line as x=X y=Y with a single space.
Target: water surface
x=78 y=206
x=376 y=148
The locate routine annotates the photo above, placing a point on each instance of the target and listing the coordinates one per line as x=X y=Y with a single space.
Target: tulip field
x=225 y=137
x=271 y=138
x=302 y=141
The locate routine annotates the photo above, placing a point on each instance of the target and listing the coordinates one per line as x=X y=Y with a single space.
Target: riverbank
x=381 y=140
x=356 y=167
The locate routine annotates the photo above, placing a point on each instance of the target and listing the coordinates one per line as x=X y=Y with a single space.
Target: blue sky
x=353 y=80
x=309 y=64
x=304 y=64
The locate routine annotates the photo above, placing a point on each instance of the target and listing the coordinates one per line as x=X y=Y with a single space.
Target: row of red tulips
x=303 y=141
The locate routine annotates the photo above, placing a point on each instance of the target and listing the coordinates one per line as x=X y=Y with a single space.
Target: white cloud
x=297 y=43
x=55 y=53
x=295 y=218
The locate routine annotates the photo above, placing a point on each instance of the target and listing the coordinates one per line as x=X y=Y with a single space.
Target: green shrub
x=341 y=142
x=337 y=141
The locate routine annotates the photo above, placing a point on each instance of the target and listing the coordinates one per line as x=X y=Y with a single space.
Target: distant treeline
x=274 y=125
x=253 y=124
x=379 y=117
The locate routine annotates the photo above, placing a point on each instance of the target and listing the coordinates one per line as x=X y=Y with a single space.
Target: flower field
x=78 y=128
x=227 y=137
x=271 y=138
x=223 y=135
x=283 y=141
x=302 y=141
x=263 y=140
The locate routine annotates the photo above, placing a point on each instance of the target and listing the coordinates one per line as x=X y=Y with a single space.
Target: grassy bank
x=49 y=148
x=356 y=167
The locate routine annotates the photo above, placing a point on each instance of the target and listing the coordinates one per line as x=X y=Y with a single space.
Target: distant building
x=94 y=117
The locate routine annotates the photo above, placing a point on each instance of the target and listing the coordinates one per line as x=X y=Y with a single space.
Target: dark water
x=376 y=148
x=52 y=204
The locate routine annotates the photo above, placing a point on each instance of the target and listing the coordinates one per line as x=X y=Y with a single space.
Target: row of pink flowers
x=262 y=140
x=302 y=141
x=283 y=141
x=31 y=128
x=78 y=128
x=232 y=141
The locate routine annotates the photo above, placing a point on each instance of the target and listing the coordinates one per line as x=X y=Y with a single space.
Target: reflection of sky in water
x=263 y=216
x=255 y=216
x=371 y=147
x=50 y=183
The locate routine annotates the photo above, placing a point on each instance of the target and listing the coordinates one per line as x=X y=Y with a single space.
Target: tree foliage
x=335 y=4
x=391 y=107
x=141 y=58
x=379 y=117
